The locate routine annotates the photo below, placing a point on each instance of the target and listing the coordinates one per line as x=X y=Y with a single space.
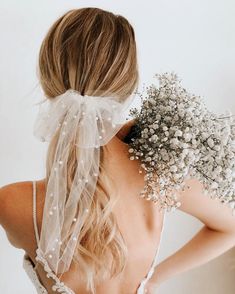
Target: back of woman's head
x=93 y=52
x=90 y=50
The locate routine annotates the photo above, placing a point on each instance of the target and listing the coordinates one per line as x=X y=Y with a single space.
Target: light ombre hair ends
x=92 y=51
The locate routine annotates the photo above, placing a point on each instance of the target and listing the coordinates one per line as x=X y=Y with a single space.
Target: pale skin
x=140 y=224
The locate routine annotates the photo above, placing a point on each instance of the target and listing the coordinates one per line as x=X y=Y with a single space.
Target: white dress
x=59 y=286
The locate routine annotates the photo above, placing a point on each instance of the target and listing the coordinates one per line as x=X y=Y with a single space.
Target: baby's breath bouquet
x=176 y=137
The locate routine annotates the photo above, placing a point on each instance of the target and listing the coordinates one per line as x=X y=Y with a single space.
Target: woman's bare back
x=139 y=221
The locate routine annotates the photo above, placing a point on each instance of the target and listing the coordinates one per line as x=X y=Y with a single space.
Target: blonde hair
x=94 y=52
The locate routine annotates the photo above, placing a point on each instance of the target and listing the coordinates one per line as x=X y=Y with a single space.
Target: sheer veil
x=88 y=122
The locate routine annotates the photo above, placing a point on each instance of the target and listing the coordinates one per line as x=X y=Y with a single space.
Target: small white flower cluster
x=176 y=137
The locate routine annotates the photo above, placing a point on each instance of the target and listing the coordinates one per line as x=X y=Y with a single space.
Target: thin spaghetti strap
x=140 y=289
x=35 y=212
x=159 y=244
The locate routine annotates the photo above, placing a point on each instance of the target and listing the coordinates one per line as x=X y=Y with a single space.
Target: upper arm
x=210 y=211
x=14 y=212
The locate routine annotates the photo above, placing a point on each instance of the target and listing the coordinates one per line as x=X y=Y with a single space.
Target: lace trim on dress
x=59 y=286
x=27 y=265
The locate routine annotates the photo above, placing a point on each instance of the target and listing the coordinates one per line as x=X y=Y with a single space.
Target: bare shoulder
x=15 y=209
x=211 y=212
x=13 y=200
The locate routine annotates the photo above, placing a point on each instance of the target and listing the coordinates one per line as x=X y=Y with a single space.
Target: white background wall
x=193 y=38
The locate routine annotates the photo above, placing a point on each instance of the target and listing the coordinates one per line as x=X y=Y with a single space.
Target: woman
x=93 y=52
